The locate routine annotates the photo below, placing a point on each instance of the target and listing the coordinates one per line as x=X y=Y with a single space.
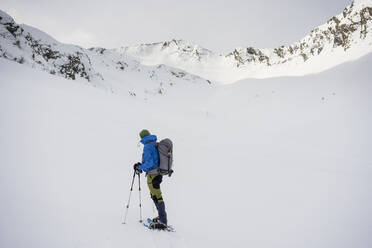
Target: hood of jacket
x=149 y=139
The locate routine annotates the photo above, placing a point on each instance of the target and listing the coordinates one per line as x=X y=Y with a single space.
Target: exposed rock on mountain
x=344 y=37
x=27 y=45
x=348 y=29
x=32 y=47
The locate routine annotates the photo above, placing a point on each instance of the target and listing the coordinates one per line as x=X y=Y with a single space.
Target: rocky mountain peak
x=342 y=38
x=32 y=47
x=351 y=27
x=346 y=36
x=177 y=48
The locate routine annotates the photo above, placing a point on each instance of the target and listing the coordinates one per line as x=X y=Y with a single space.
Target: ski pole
x=130 y=194
x=140 y=201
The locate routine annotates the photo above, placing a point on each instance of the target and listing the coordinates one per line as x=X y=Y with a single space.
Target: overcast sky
x=219 y=25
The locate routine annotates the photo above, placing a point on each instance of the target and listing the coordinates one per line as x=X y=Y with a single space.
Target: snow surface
x=5 y=18
x=282 y=162
x=362 y=3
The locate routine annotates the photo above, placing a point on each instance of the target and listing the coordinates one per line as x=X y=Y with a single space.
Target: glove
x=135 y=167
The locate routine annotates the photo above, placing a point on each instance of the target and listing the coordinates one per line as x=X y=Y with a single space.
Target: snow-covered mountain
x=262 y=163
x=344 y=37
x=100 y=67
x=278 y=162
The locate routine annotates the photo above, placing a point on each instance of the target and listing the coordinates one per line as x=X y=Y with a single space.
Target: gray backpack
x=165 y=149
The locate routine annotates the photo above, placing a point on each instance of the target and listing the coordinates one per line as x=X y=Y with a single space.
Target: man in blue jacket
x=150 y=163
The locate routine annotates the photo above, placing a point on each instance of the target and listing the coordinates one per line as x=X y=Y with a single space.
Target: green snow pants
x=154 y=181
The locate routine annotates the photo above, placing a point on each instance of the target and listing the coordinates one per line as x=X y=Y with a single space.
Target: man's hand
x=135 y=167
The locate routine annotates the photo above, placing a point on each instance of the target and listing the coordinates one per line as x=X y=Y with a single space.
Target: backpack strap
x=156 y=147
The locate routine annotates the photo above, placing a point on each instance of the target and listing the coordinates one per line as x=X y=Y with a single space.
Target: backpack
x=165 y=150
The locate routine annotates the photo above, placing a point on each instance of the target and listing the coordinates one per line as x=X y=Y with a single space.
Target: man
x=150 y=163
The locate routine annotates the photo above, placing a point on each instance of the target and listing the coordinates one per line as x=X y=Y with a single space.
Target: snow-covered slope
x=263 y=163
x=268 y=163
x=344 y=37
x=28 y=45
x=100 y=67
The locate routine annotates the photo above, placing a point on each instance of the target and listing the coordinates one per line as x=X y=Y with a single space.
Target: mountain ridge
x=99 y=66
x=345 y=37
x=341 y=36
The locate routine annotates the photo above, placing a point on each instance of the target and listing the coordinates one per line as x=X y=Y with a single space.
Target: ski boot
x=155 y=219
x=157 y=224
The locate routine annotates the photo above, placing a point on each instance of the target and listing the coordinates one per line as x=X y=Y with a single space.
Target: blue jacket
x=150 y=156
